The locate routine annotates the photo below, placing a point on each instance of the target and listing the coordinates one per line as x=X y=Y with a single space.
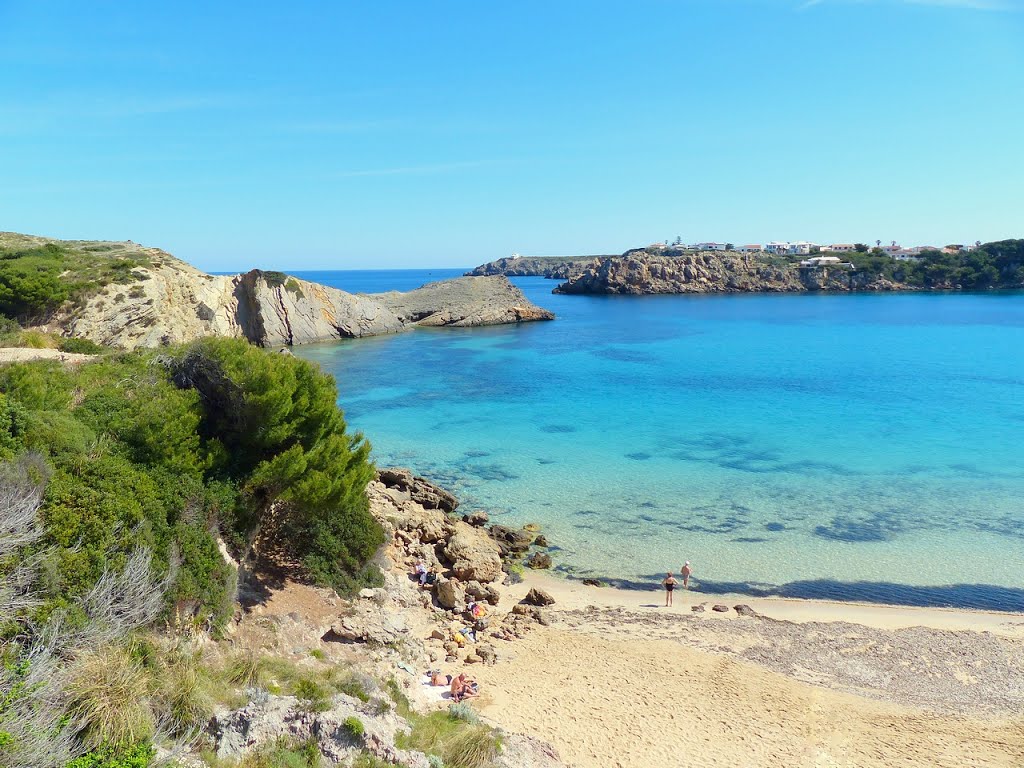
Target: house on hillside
x=712 y=246
x=752 y=248
x=777 y=248
x=821 y=261
x=842 y=247
x=802 y=248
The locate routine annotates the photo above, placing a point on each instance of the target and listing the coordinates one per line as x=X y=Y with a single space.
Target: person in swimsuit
x=685 y=572
x=669 y=582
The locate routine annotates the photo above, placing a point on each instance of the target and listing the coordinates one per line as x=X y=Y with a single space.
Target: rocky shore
x=560 y=663
x=675 y=271
x=162 y=300
x=552 y=267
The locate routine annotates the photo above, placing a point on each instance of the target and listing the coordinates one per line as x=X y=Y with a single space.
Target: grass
x=313 y=696
x=108 y=691
x=354 y=727
x=458 y=743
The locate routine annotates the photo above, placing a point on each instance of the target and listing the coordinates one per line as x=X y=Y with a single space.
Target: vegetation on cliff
x=992 y=265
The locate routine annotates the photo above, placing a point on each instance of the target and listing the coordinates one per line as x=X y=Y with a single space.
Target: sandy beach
x=618 y=680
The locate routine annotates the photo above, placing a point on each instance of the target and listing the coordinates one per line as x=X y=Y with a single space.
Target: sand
x=616 y=681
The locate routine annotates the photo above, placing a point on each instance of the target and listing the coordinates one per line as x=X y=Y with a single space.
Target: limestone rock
x=719 y=608
x=539 y=597
x=593 y=582
x=539 y=560
x=512 y=539
x=473 y=555
x=478 y=518
x=745 y=610
x=450 y=594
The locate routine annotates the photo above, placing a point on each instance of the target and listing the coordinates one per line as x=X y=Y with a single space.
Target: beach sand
x=618 y=681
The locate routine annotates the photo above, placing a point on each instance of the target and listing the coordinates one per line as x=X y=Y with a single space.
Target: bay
x=850 y=447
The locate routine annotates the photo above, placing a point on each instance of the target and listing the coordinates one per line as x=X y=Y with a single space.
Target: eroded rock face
x=172 y=302
x=675 y=271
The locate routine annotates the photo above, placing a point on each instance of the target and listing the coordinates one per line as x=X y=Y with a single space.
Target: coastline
x=574 y=595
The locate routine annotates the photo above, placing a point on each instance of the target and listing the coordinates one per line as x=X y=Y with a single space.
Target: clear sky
x=403 y=134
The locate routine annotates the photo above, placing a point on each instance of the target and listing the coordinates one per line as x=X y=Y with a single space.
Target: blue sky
x=404 y=134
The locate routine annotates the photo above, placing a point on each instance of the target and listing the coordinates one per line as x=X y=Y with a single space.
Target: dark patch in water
x=476 y=454
x=493 y=472
x=586 y=512
x=748 y=540
x=774 y=527
x=638 y=456
x=878 y=527
x=621 y=355
x=558 y=428
x=546 y=461
x=647 y=518
x=648 y=505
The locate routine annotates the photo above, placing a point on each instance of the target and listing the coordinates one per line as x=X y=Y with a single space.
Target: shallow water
x=844 y=446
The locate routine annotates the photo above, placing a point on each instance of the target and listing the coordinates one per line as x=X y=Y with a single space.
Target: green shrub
x=457 y=743
x=354 y=727
x=79 y=346
x=313 y=696
x=114 y=756
x=462 y=711
x=318 y=654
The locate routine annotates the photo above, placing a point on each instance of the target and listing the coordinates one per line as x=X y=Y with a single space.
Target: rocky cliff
x=670 y=271
x=555 y=267
x=167 y=301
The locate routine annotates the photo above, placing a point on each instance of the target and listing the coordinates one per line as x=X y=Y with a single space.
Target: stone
x=473 y=658
x=474 y=557
x=541 y=541
x=719 y=608
x=745 y=610
x=593 y=582
x=492 y=594
x=539 y=560
x=539 y=597
x=437 y=634
x=698 y=608
x=487 y=653
x=514 y=539
x=450 y=594
x=478 y=518
x=366 y=594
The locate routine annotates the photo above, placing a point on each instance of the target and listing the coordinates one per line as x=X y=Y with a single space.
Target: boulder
x=541 y=541
x=539 y=560
x=719 y=608
x=745 y=610
x=593 y=582
x=540 y=598
x=697 y=608
x=514 y=539
x=450 y=594
x=473 y=556
x=376 y=627
x=478 y=518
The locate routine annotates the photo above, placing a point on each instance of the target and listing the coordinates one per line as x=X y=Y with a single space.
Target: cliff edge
x=127 y=295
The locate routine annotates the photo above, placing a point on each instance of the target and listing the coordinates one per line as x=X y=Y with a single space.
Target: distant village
x=805 y=248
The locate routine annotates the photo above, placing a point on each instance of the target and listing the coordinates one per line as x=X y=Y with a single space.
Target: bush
x=112 y=756
x=313 y=696
x=79 y=346
x=354 y=727
x=462 y=711
x=457 y=743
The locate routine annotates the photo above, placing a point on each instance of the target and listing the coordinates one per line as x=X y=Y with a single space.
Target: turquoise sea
x=861 y=447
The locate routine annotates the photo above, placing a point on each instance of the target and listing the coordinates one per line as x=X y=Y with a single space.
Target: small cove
x=835 y=446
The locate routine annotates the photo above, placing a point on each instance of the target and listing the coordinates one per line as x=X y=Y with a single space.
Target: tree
x=860 y=248
x=283 y=439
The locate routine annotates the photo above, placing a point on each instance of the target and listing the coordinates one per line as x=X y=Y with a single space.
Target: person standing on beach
x=685 y=572
x=669 y=582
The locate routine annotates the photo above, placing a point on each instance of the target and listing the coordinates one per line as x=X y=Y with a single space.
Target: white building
x=777 y=248
x=842 y=247
x=712 y=246
x=751 y=248
x=803 y=248
x=821 y=261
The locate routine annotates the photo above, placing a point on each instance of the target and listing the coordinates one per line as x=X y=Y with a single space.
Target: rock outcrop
x=675 y=271
x=554 y=267
x=166 y=301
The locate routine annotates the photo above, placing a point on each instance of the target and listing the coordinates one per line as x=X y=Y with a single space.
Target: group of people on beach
x=460 y=687
x=670 y=582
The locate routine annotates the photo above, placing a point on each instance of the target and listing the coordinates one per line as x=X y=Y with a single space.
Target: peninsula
x=126 y=295
x=669 y=269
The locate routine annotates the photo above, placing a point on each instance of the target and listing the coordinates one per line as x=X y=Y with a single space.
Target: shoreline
x=574 y=594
